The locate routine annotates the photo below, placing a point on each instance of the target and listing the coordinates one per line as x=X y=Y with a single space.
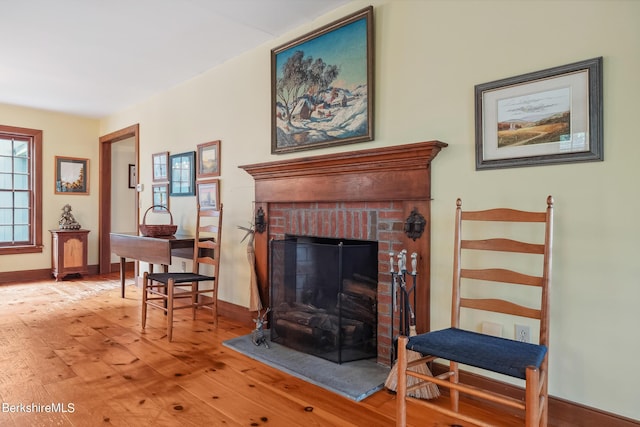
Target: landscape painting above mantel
x=322 y=86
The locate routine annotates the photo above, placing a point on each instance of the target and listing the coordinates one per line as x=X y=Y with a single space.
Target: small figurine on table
x=67 y=221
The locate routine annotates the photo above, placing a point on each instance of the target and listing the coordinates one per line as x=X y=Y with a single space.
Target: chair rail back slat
x=206 y=260
x=503 y=245
x=207 y=244
x=504 y=215
x=500 y=306
x=210 y=228
x=501 y=275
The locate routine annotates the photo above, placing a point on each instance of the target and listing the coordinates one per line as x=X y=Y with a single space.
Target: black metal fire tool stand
x=400 y=297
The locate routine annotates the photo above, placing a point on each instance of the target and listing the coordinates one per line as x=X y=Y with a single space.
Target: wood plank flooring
x=72 y=354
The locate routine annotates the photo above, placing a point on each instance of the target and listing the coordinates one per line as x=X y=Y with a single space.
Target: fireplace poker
x=414 y=273
x=394 y=306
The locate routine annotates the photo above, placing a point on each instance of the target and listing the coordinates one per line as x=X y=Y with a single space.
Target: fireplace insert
x=324 y=296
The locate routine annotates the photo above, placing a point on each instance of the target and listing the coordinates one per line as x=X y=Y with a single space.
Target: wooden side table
x=69 y=252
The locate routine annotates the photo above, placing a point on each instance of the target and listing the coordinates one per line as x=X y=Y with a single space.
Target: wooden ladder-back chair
x=471 y=281
x=159 y=289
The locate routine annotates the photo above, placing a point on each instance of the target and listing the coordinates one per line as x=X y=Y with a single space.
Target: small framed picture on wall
x=72 y=175
x=160 y=197
x=160 y=162
x=132 y=176
x=208 y=159
x=209 y=194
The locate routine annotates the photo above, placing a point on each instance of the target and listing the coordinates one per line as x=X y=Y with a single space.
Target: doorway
x=104 y=220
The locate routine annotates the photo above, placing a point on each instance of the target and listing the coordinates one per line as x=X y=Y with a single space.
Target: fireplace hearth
x=324 y=296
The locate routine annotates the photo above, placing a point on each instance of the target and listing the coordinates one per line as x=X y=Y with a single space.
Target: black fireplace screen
x=324 y=297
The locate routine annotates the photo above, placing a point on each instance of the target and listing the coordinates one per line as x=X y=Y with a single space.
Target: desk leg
x=122 y=274
x=165 y=268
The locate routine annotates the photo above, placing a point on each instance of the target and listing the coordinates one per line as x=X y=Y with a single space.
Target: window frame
x=35 y=190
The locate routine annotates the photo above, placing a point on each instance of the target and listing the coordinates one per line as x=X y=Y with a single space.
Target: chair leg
x=194 y=298
x=532 y=398
x=214 y=306
x=401 y=388
x=544 y=392
x=544 y=414
x=145 y=281
x=170 y=288
x=454 y=394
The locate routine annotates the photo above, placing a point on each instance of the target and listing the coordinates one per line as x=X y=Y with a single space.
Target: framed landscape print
x=182 y=174
x=546 y=117
x=209 y=194
x=72 y=175
x=208 y=159
x=322 y=86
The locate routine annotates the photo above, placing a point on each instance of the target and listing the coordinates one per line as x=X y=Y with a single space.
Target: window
x=20 y=190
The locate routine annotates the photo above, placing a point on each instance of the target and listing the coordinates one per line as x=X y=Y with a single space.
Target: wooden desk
x=154 y=250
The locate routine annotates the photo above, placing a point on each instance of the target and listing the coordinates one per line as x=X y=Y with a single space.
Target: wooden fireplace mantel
x=400 y=172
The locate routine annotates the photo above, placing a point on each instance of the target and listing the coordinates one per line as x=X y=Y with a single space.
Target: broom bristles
x=427 y=390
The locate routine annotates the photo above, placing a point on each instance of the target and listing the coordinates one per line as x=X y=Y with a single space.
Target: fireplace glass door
x=324 y=297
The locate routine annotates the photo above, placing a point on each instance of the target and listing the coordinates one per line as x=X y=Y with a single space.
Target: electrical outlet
x=523 y=333
x=184 y=266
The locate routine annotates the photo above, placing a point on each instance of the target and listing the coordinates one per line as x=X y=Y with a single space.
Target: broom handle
x=412 y=323
x=407 y=311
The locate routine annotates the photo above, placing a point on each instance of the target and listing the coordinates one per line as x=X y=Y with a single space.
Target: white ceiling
x=96 y=57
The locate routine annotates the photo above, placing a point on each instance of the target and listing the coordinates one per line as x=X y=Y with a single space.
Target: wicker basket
x=162 y=230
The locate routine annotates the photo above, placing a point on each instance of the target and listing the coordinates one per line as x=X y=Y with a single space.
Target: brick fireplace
x=362 y=195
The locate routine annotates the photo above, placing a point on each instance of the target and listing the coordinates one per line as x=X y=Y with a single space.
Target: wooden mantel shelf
x=366 y=175
x=386 y=158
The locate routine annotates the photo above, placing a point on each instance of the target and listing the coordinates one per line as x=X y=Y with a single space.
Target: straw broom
x=255 y=304
x=428 y=390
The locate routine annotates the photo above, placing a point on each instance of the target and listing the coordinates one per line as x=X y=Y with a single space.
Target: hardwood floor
x=72 y=354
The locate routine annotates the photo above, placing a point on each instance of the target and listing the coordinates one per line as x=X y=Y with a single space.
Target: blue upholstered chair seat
x=495 y=354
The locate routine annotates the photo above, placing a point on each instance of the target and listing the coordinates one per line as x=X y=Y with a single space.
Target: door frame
x=104 y=216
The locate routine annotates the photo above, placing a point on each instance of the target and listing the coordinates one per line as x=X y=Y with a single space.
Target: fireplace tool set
x=401 y=296
x=402 y=308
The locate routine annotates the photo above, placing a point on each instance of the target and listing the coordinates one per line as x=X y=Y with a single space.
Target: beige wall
x=63 y=135
x=429 y=56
